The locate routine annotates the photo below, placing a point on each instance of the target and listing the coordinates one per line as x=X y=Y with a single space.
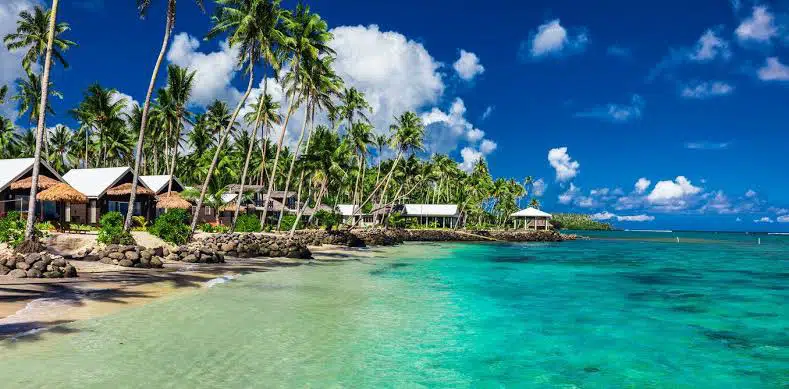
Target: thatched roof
x=125 y=189
x=62 y=192
x=172 y=200
x=44 y=182
x=231 y=207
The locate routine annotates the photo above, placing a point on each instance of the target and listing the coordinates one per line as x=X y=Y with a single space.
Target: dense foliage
x=171 y=226
x=575 y=221
x=12 y=229
x=328 y=220
x=247 y=223
x=111 y=230
x=340 y=156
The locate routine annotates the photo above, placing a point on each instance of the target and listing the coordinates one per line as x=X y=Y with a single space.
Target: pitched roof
x=531 y=212
x=158 y=183
x=94 y=182
x=12 y=169
x=431 y=209
x=348 y=209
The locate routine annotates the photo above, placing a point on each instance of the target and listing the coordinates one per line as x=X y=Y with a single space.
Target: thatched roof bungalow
x=15 y=183
x=107 y=190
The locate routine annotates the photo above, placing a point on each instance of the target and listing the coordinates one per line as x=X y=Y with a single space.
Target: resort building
x=532 y=218
x=107 y=190
x=15 y=183
x=352 y=215
x=439 y=215
x=158 y=184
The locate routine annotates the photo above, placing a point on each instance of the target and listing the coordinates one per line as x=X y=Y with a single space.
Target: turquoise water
x=624 y=310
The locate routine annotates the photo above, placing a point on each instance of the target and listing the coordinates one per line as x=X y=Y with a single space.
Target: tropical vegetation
x=576 y=221
x=341 y=159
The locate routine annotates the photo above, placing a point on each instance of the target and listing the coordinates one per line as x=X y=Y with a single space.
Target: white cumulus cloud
x=764 y=219
x=759 y=27
x=569 y=195
x=710 y=46
x=468 y=66
x=538 y=187
x=551 y=38
x=666 y=192
x=11 y=62
x=445 y=130
x=783 y=219
x=470 y=157
x=642 y=185
x=773 y=70
x=487 y=146
x=560 y=160
x=214 y=70
x=635 y=218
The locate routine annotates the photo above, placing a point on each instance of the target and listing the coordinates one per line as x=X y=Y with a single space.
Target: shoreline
x=28 y=306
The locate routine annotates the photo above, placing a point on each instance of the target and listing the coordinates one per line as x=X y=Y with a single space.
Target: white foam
x=219 y=280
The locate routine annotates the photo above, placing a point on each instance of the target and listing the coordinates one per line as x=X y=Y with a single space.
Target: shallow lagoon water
x=622 y=310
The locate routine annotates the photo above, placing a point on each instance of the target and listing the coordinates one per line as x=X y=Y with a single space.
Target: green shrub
x=111 y=230
x=288 y=221
x=397 y=220
x=12 y=229
x=45 y=226
x=328 y=219
x=171 y=226
x=206 y=227
x=221 y=229
x=248 y=222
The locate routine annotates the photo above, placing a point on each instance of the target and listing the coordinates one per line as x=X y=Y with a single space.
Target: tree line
x=343 y=159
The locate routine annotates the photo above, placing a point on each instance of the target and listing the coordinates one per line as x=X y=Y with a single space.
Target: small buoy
x=760 y=241
x=677 y=239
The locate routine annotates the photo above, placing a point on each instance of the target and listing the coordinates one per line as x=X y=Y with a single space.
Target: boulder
x=11 y=262
x=146 y=255
x=17 y=273
x=22 y=266
x=59 y=262
x=132 y=255
x=116 y=255
x=106 y=260
x=32 y=258
x=34 y=273
x=54 y=274
x=126 y=263
x=70 y=271
x=158 y=252
x=156 y=262
x=4 y=270
x=40 y=265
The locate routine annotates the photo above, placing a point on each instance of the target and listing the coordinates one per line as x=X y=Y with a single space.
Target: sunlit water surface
x=624 y=310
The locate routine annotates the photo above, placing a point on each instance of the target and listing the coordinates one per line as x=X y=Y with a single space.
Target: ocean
x=624 y=309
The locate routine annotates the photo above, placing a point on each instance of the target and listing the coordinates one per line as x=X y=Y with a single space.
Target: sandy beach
x=30 y=305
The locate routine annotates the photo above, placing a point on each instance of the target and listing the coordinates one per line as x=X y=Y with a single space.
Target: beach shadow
x=14 y=333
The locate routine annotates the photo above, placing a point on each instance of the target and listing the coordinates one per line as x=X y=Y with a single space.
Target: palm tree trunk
x=292 y=164
x=144 y=121
x=319 y=199
x=42 y=112
x=222 y=140
x=252 y=132
x=276 y=159
x=175 y=158
x=378 y=186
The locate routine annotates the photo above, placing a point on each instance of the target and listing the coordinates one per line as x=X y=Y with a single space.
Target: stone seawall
x=248 y=245
x=389 y=237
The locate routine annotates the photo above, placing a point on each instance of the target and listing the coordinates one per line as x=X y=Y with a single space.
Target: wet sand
x=29 y=305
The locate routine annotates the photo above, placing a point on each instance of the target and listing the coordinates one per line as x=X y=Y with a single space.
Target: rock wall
x=321 y=237
x=36 y=265
x=195 y=253
x=388 y=237
x=129 y=256
x=247 y=245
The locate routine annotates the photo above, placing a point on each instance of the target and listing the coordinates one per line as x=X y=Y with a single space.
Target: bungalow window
x=208 y=211
x=123 y=207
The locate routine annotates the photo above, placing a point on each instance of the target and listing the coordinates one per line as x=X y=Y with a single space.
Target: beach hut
x=15 y=182
x=172 y=200
x=442 y=215
x=533 y=218
x=108 y=190
x=158 y=184
x=64 y=196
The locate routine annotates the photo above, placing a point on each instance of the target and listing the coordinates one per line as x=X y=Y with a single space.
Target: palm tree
x=244 y=21
x=353 y=104
x=101 y=111
x=269 y=115
x=380 y=141
x=142 y=7
x=28 y=97
x=3 y=93
x=8 y=138
x=61 y=144
x=180 y=82
x=31 y=206
x=408 y=134
x=307 y=40
x=32 y=33
x=534 y=203
x=269 y=38
x=360 y=136
x=26 y=144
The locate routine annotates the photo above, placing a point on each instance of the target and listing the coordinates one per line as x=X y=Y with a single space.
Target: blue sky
x=588 y=98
